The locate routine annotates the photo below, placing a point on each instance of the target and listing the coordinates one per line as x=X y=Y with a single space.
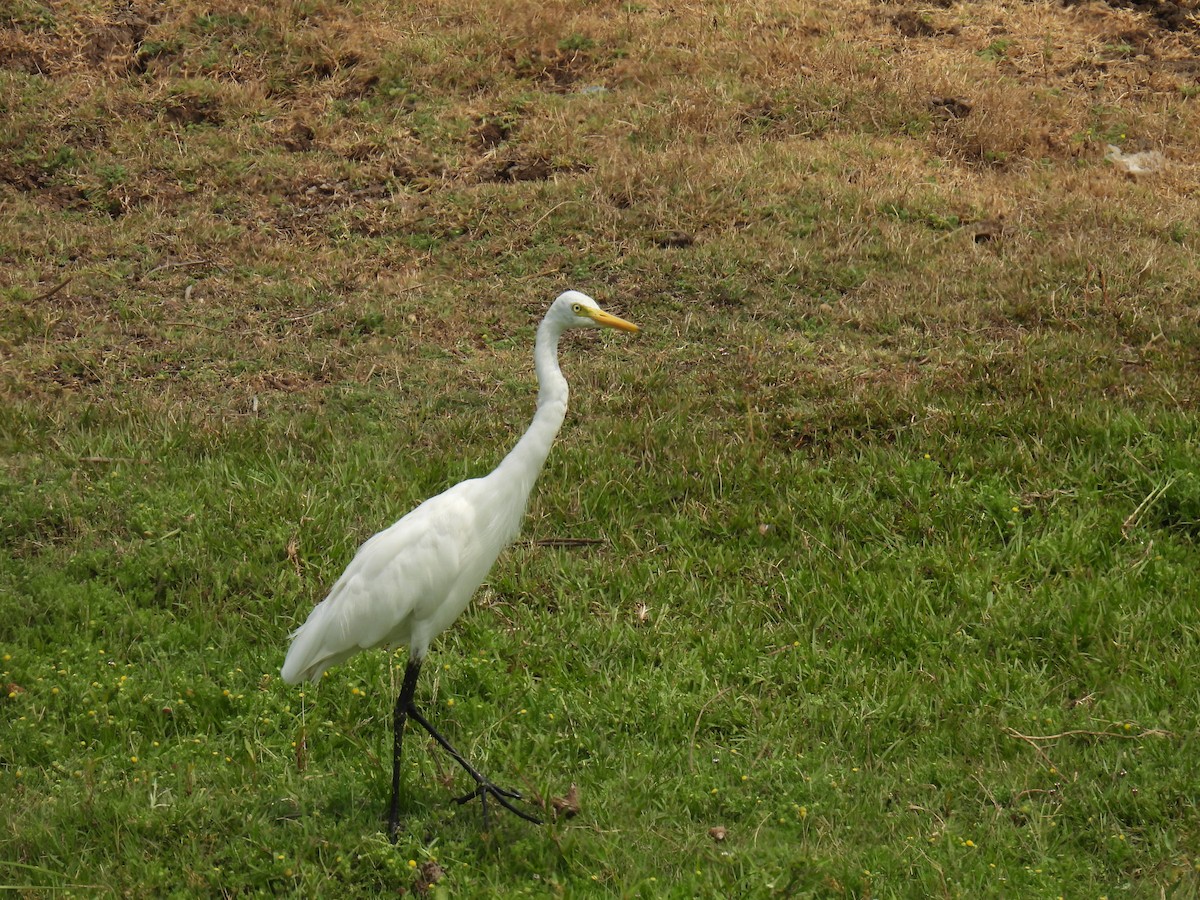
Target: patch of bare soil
x=913 y=24
x=111 y=44
x=19 y=58
x=298 y=138
x=187 y=110
x=488 y=134
x=311 y=202
x=514 y=165
x=31 y=178
x=556 y=71
x=1172 y=15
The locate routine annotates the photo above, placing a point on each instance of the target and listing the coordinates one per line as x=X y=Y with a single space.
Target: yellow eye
x=576 y=308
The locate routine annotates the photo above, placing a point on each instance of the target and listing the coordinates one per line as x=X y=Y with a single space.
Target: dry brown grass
x=899 y=174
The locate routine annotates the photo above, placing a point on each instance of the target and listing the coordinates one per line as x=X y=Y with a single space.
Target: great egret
x=409 y=582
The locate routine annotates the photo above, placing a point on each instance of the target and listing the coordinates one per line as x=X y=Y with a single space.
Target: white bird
x=409 y=582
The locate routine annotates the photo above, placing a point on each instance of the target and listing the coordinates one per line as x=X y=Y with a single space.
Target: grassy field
x=868 y=569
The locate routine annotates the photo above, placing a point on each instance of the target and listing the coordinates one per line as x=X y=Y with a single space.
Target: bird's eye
x=576 y=308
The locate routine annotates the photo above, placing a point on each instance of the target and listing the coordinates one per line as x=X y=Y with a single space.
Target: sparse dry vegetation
x=899 y=479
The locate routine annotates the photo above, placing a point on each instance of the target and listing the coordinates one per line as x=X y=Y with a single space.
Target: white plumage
x=406 y=584
x=409 y=582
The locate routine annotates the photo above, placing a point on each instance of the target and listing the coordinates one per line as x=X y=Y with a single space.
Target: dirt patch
x=325 y=195
x=489 y=133
x=557 y=71
x=109 y=44
x=38 y=183
x=23 y=178
x=116 y=48
x=358 y=85
x=192 y=110
x=299 y=138
x=18 y=58
x=327 y=67
x=914 y=25
x=517 y=164
x=1171 y=15
x=950 y=107
x=368 y=204
x=518 y=167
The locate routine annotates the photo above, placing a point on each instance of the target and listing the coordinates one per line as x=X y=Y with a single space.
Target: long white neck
x=519 y=470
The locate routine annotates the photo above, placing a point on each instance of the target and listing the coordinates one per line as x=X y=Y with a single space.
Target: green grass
x=828 y=654
x=867 y=569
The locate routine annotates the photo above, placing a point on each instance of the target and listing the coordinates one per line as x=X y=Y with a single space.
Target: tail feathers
x=311 y=654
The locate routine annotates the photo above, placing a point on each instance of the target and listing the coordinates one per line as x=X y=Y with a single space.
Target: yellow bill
x=608 y=320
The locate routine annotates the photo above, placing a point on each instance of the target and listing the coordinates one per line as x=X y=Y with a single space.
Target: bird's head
x=576 y=310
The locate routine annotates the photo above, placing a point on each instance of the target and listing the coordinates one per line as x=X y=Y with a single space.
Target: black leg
x=483 y=787
x=404 y=705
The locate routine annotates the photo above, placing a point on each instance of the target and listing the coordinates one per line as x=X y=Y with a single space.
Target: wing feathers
x=403 y=587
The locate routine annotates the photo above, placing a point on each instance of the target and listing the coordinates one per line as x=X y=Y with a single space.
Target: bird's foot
x=503 y=796
x=483 y=787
